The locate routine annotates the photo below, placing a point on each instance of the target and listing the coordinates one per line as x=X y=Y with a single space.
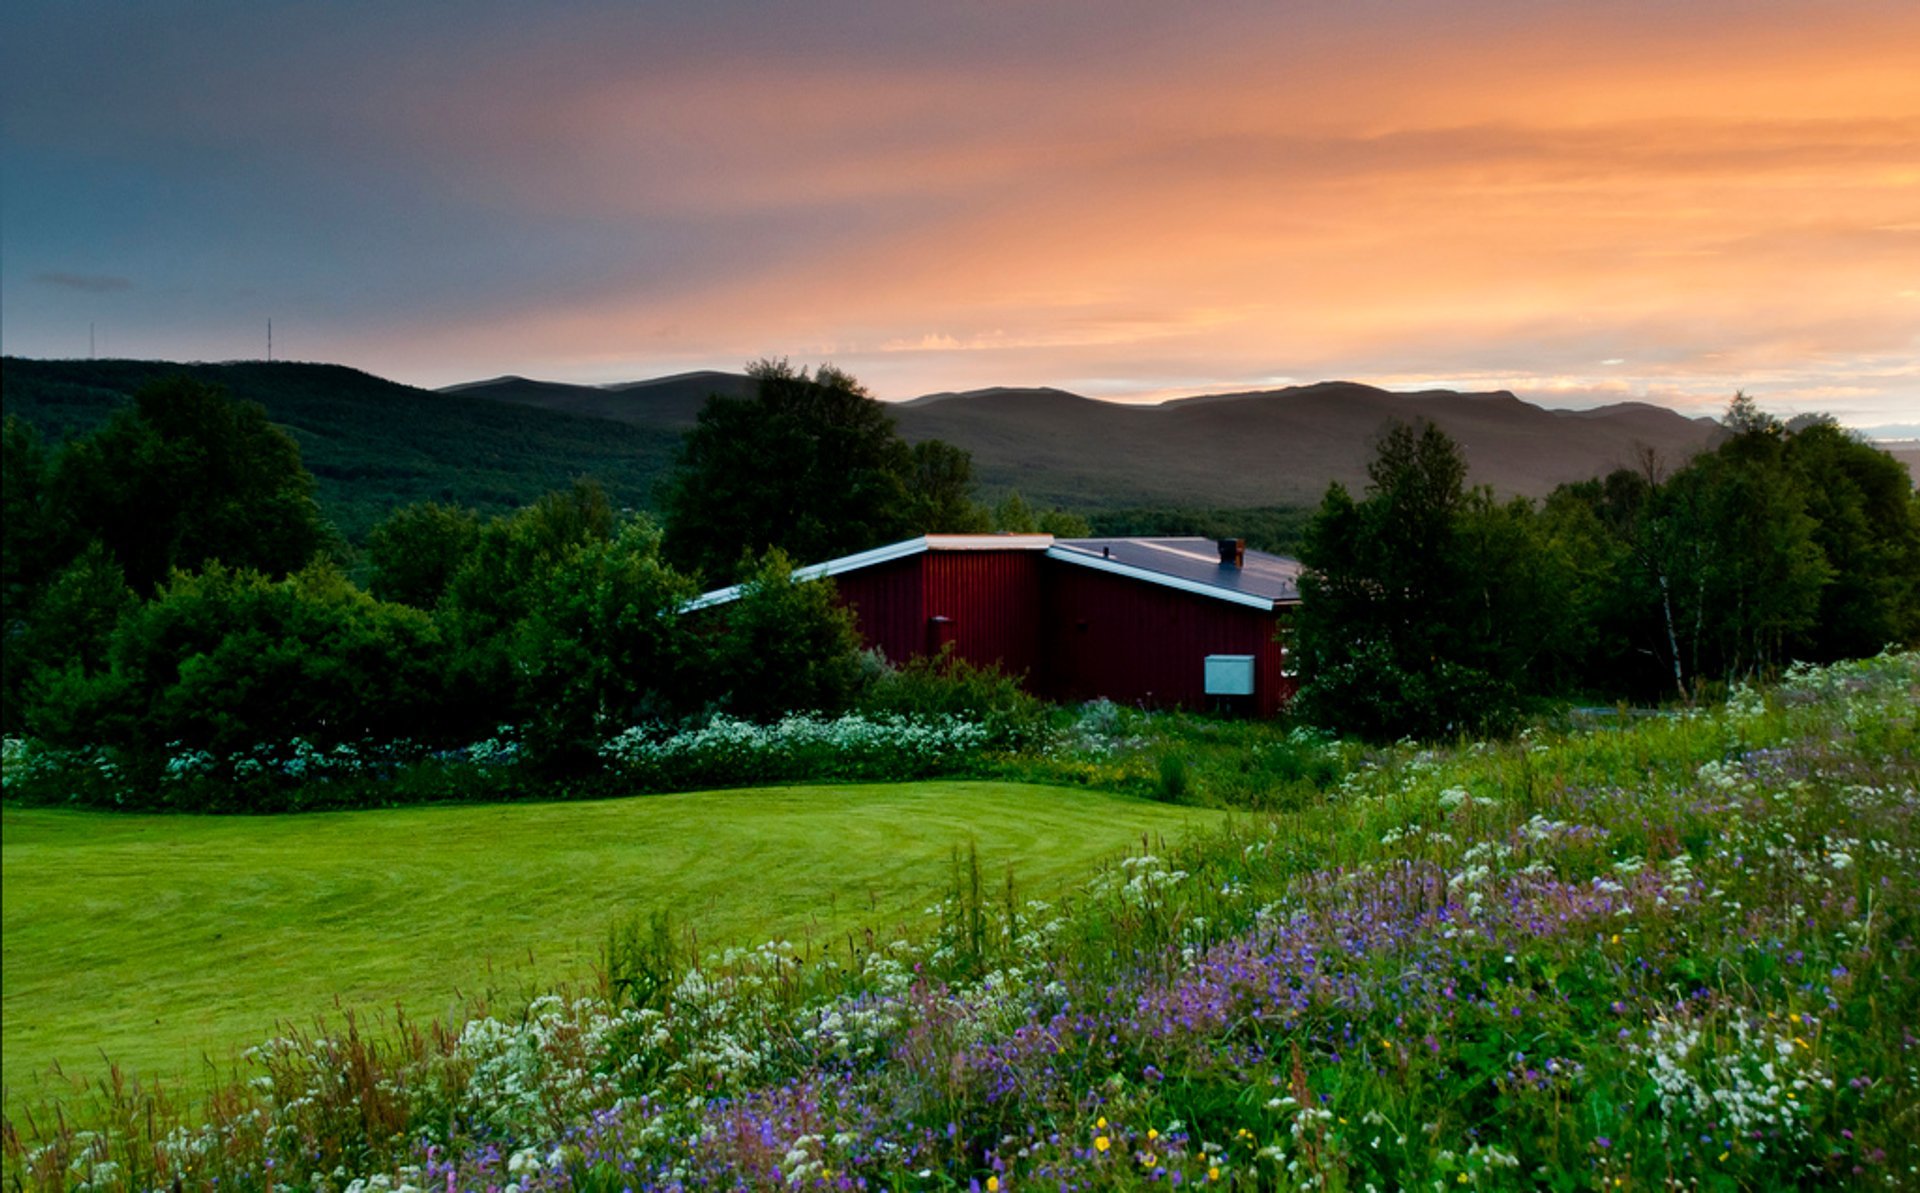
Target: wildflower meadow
x=1669 y=952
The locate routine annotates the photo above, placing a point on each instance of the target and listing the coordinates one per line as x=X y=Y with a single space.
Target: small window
x=1229 y=675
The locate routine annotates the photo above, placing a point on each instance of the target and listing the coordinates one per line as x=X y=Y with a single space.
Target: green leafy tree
x=941 y=491
x=499 y=587
x=223 y=659
x=1425 y=606
x=604 y=645
x=418 y=550
x=187 y=476
x=65 y=642
x=1866 y=523
x=1746 y=572
x=809 y=464
x=781 y=646
x=1014 y=515
x=34 y=547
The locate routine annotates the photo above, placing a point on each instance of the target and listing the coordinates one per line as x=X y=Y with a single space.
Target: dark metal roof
x=1190 y=561
x=1191 y=564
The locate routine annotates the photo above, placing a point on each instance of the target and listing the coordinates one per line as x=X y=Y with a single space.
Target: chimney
x=1233 y=552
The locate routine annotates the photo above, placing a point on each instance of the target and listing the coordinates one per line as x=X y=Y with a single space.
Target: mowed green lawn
x=158 y=941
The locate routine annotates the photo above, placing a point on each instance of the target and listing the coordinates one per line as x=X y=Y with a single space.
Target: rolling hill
x=494 y=445
x=1263 y=448
x=373 y=444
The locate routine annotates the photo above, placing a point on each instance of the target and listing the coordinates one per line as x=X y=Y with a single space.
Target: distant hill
x=665 y=402
x=1279 y=447
x=1266 y=448
x=373 y=444
x=495 y=445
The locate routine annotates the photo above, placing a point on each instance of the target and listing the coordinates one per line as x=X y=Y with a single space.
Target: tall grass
x=1681 y=952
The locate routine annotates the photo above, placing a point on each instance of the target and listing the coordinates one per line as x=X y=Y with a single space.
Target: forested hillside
x=373 y=445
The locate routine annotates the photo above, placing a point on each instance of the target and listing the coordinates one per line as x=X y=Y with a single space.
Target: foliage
x=727 y=751
x=809 y=465
x=781 y=645
x=1424 y=605
x=493 y=595
x=1432 y=609
x=603 y=644
x=224 y=658
x=373 y=445
x=1866 y=525
x=417 y=550
x=1667 y=951
x=1014 y=516
x=947 y=685
x=187 y=476
x=940 y=490
x=1791 y=541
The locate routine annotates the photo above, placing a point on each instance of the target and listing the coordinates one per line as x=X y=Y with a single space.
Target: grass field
x=157 y=940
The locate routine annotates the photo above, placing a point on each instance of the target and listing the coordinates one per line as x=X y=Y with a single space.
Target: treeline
x=1432 y=608
x=172 y=590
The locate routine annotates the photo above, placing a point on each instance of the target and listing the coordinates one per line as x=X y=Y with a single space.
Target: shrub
x=781 y=646
x=224 y=659
x=947 y=685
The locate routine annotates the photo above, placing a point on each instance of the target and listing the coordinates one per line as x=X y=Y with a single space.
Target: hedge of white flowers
x=856 y=745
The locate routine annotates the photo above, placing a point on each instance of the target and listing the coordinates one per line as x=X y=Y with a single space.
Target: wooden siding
x=888 y=602
x=992 y=602
x=1140 y=643
x=1075 y=633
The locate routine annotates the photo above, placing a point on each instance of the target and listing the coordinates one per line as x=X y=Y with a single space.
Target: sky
x=1581 y=202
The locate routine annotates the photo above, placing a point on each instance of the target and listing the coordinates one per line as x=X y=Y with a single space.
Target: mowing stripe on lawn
x=157 y=941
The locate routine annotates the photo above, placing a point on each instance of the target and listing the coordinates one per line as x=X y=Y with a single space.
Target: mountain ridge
x=1244 y=448
x=504 y=440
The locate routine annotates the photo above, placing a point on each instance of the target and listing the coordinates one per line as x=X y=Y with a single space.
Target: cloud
x=91 y=283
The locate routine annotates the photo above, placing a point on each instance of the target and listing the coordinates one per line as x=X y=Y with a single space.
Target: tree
x=1425 y=606
x=1015 y=516
x=1866 y=517
x=418 y=550
x=34 y=548
x=187 y=476
x=781 y=646
x=224 y=659
x=810 y=465
x=498 y=588
x=941 y=489
x=603 y=646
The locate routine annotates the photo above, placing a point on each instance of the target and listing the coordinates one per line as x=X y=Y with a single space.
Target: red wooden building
x=1186 y=622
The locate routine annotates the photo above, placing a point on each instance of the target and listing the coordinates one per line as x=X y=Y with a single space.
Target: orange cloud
x=1704 y=195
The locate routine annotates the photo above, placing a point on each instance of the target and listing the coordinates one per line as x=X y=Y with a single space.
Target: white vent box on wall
x=1229 y=675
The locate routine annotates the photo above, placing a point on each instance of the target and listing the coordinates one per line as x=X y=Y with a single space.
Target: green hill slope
x=373 y=444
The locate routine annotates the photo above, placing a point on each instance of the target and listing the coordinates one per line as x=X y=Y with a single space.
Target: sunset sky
x=1580 y=202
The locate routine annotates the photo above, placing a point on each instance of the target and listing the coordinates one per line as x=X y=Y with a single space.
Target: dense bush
x=222 y=659
x=778 y=646
x=947 y=685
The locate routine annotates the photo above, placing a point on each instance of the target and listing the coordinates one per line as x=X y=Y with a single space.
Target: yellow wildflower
x=993 y=1184
x=1101 y=1143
